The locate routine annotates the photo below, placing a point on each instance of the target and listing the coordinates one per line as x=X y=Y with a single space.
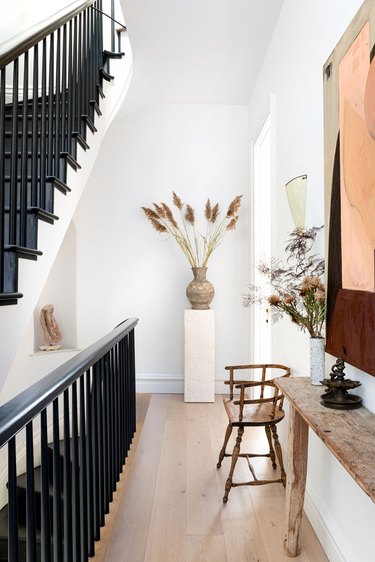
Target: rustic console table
x=348 y=434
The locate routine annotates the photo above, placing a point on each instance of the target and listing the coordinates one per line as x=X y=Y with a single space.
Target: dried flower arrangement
x=196 y=247
x=297 y=287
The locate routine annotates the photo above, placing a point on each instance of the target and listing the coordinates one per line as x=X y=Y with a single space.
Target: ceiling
x=197 y=51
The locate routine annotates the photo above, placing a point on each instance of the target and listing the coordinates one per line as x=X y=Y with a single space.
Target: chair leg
x=226 y=439
x=236 y=452
x=279 y=454
x=272 y=452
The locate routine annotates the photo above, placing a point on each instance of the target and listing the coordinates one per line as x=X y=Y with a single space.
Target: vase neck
x=199 y=273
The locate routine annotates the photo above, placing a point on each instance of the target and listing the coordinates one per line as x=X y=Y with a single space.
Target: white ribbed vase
x=317 y=360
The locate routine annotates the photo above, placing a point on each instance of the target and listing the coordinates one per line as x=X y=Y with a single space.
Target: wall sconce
x=296 y=193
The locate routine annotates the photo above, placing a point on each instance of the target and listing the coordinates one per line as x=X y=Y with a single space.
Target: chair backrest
x=260 y=384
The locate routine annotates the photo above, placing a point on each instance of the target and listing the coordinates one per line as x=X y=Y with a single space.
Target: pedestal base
x=199 y=356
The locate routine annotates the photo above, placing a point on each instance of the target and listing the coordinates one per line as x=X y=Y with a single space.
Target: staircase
x=86 y=406
x=22 y=510
x=50 y=92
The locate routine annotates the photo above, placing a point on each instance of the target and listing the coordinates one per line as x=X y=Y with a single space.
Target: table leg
x=296 y=480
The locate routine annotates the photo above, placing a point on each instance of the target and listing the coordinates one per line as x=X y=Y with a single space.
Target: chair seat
x=253 y=414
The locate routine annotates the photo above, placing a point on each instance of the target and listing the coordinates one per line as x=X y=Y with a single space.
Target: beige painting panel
x=357 y=162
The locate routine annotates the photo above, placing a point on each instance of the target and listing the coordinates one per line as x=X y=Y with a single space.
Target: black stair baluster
x=57 y=107
x=57 y=488
x=94 y=66
x=84 y=65
x=113 y=421
x=13 y=548
x=43 y=133
x=30 y=496
x=122 y=403
x=88 y=63
x=132 y=394
x=75 y=478
x=113 y=34
x=74 y=93
x=70 y=91
x=107 y=436
x=80 y=129
x=67 y=474
x=90 y=464
x=100 y=35
x=101 y=442
x=35 y=145
x=118 y=414
x=97 y=57
x=45 y=505
x=96 y=449
x=50 y=161
x=22 y=237
x=83 y=469
x=126 y=391
x=2 y=173
x=64 y=147
x=13 y=195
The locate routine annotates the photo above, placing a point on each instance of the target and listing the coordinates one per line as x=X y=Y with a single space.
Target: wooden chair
x=262 y=408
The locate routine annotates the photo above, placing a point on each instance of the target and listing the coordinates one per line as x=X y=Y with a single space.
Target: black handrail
x=20 y=410
x=15 y=48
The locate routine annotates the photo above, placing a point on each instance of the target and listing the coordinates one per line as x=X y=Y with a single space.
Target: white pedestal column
x=199 y=356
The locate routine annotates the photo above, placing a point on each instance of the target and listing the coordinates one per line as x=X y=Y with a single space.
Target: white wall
x=306 y=33
x=125 y=268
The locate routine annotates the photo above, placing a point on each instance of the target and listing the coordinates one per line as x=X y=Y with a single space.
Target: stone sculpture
x=51 y=331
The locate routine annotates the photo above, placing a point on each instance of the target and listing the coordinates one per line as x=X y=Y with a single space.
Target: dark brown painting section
x=334 y=281
x=351 y=333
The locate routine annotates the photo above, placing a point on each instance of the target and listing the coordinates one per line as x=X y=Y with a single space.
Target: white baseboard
x=326 y=529
x=168 y=384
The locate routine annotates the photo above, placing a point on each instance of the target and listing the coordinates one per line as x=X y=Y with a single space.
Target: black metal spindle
x=2 y=173
x=101 y=443
x=45 y=505
x=83 y=469
x=80 y=129
x=22 y=240
x=12 y=503
x=96 y=449
x=107 y=433
x=74 y=101
x=50 y=160
x=75 y=478
x=64 y=147
x=85 y=77
x=57 y=488
x=13 y=195
x=43 y=131
x=100 y=35
x=132 y=378
x=57 y=106
x=35 y=126
x=113 y=36
x=70 y=92
x=67 y=473
x=30 y=496
x=90 y=464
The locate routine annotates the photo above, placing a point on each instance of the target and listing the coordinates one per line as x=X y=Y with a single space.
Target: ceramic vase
x=317 y=360
x=200 y=292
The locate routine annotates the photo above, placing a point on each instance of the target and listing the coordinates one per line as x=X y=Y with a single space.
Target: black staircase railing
x=77 y=425
x=50 y=88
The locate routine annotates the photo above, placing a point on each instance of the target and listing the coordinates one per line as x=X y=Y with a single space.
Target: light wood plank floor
x=168 y=507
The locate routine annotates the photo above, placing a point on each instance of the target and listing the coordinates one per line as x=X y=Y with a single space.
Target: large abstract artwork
x=349 y=91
